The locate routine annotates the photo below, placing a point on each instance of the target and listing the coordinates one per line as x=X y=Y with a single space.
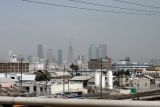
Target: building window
x=41 y=89
x=145 y=84
x=12 y=77
x=27 y=88
x=34 y=88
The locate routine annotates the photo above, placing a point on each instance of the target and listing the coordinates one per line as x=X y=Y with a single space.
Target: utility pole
x=101 y=78
x=21 y=71
x=68 y=83
x=46 y=73
x=46 y=66
x=5 y=68
x=63 y=79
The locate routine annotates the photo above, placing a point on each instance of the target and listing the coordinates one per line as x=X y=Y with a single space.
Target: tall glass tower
x=92 y=51
x=102 y=51
x=60 y=57
x=50 y=56
x=70 y=55
x=40 y=51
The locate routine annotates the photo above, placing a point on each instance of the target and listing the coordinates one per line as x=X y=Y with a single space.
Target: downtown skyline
x=25 y=25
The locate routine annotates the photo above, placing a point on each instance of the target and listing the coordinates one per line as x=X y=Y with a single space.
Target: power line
x=123 y=8
x=83 y=8
x=138 y=4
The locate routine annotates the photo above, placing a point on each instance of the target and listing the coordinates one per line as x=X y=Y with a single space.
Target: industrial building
x=139 y=83
x=151 y=73
x=100 y=64
x=16 y=67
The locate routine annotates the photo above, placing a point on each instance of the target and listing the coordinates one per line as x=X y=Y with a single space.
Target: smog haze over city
x=24 y=25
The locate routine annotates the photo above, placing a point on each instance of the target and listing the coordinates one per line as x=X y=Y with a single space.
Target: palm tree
x=74 y=67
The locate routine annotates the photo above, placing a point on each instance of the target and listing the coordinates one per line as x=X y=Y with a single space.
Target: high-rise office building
x=97 y=52
x=70 y=55
x=60 y=57
x=50 y=56
x=102 y=51
x=40 y=51
x=92 y=51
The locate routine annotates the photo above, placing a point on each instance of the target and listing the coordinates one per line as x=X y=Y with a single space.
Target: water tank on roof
x=98 y=80
x=110 y=80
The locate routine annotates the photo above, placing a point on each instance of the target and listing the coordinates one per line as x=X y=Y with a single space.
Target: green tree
x=72 y=67
x=41 y=76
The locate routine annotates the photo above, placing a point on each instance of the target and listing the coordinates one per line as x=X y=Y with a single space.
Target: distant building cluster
x=71 y=75
x=97 y=52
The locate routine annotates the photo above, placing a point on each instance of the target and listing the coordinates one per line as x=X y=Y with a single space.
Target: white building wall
x=98 y=80
x=141 y=83
x=58 y=88
x=110 y=80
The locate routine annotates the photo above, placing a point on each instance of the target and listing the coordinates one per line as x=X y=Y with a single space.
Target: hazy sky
x=24 y=25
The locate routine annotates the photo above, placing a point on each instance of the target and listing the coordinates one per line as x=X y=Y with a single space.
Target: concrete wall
x=58 y=88
x=41 y=88
x=141 y=83
x=122 y=82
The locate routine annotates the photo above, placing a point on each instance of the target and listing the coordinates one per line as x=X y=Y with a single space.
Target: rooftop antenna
x=10 y=55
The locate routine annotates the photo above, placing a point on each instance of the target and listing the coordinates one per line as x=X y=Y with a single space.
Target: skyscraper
x=102 y=51
x=40 y=51
x=60 y=57
x=70 y=55
x=50 y=56
x=92 y=51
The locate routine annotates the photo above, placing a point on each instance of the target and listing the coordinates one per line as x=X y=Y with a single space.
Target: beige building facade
x=100 y=64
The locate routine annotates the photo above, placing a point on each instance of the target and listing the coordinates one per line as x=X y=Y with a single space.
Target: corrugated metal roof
x=92 y=80
x=6 y=80
x=12 y=91
x=60 y=73
x=80 y=78
x=147 y=76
